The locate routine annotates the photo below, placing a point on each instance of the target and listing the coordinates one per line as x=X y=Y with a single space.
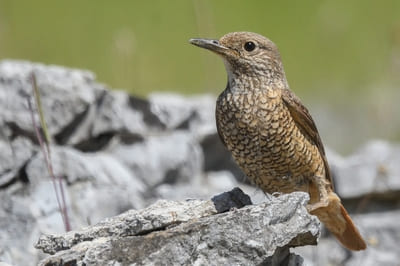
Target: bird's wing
x=306 y=124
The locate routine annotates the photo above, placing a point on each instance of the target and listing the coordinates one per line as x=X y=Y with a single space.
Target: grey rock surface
x=195 y=113
x=382 y=233
x=192 y=233
x=67 y=95
x=175 y=158
x=122 y=114
x=373 y=169
x=114 y=152
x=90 y=181
x=14 y=155
x=156 y=217
x=18 y=231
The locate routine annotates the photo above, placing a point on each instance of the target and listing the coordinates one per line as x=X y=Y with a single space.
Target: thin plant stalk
x=45 y=147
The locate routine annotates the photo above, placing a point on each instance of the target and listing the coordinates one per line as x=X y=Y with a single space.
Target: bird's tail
x=338 y=222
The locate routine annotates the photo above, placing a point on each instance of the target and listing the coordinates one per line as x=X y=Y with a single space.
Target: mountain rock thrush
x=269 y=132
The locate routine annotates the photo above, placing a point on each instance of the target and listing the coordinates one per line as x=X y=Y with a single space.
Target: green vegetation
x=141 y=46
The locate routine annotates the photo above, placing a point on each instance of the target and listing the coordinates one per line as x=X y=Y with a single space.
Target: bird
x=271 y=134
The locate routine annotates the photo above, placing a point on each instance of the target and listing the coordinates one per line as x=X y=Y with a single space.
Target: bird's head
x=246 y=54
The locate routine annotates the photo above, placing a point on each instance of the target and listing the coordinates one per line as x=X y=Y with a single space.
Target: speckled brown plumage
x=270 y=134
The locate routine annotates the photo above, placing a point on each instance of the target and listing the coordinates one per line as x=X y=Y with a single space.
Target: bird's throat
x=244 y=82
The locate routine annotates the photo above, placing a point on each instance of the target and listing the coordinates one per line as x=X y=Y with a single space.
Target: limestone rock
x=192 y=233
x=114 y=152
x=66 y=97
x=96 y=185
x=162 y=159
x=195 y=113
x=14 y=155
x=374 y=169
x=381 y=231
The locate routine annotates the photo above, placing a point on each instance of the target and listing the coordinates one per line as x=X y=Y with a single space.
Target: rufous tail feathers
x=338 y=222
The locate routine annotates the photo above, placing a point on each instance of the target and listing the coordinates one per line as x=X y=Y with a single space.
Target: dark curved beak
x=209 y=44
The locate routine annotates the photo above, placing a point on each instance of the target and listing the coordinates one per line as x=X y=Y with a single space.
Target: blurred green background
x=341 y=57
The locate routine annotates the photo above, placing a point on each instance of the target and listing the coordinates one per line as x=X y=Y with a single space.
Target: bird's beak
x=212 y=45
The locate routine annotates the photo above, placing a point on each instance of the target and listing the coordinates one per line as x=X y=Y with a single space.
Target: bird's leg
x=320 y=184
x=269 y=197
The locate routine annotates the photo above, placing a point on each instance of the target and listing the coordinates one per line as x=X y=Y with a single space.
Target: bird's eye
x=249 y=46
